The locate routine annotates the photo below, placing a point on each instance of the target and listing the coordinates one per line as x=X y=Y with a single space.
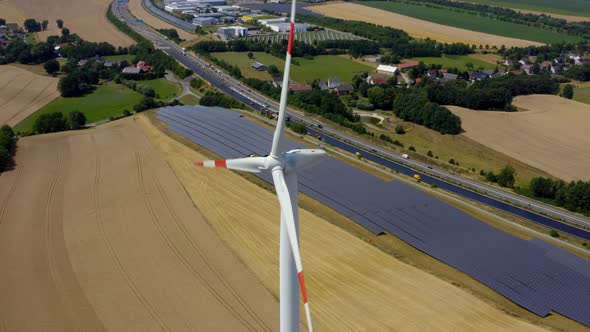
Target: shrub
x=49 y=123
x=429 y=153
x=77 y=120
x=399 y=130
x=491 y=177
x=452 y=161
x=554 y=233
x=412 y=148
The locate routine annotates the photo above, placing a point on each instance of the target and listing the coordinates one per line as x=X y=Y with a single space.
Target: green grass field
x=189 y=100
x=582 y=94
x=321 y=67
x=472 y=22
x=106 y=101
x=165 y=89
x=565 y=7
x=457 y=61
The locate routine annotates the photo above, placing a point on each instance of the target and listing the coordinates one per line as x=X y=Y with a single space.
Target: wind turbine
x=284 y=167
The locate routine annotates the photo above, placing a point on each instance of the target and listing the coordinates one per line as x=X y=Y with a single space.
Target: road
x=512 y=203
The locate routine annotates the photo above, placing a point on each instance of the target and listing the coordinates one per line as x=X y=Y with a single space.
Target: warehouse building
x=389 y=70
x=285 y=27
x=232 y=32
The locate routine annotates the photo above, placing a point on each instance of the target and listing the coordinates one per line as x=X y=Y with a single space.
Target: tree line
x=574 y=196
x=490 y=94
x=7 y=147
x=56 y=121
x=413 y=105
x=397 y=41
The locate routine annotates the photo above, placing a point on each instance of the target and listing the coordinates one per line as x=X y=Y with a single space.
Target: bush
x=5 y=158
x=399 y=130
x=49 y=123
x=297 y=127
x=554 y=233
x=51 y=66
x=429 y=153
x=412 y=148
x=196 y=83
x=77 y=120
x=452 y=161
x=219 y=99
x=491 y=177
x=507 y=176
x=365 y=106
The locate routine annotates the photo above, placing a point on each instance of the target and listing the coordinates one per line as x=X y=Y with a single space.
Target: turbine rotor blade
x=287 y=207
x=279 y=131
x=250 y=164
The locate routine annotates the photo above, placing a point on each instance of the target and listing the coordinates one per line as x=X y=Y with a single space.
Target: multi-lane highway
x=518 y=205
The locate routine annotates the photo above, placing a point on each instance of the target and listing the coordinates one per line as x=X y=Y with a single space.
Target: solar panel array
x=168 y=17
x=533 y=274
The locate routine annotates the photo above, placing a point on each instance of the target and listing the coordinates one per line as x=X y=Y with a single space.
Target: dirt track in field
x=87 y=18
x=96 y=233
x=22 y=93
x=352 y=285
x=552 y=135
x=414 y=27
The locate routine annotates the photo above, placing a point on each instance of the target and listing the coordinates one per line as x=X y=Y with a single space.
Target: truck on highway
x=417 y=177
x=405 y=156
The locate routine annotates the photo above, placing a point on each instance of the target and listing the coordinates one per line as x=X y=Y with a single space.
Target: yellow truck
x=417 y=177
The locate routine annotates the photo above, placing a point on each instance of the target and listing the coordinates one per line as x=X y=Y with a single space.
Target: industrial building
x=204 y=21
x=194 y=5
x=284 y=27
x=232 y=32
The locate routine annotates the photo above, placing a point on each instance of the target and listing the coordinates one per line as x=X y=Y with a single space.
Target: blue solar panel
x=533 y=274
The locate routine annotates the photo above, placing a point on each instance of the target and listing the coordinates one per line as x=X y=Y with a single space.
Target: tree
x=60 y=23
x=51 y=66
x=399 y=129
x=491 y=177
x=5 y=159
x=429 y=153
x=506 y=177
x=44 y=24
x=273 y=70
x=65 y=34
x=77 y=120
x=32 y=25
x=2 y=21
x=49 y=123
x=250 y=55
x=568 y=91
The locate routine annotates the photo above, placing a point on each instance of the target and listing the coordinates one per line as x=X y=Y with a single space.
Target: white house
x=389 y=70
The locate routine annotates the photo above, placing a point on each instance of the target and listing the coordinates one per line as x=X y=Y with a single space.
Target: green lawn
x=165 y=89
x=582 y=94
x=457 y=61
x=565 y=7
x=321 y=67
x=106 y=101
x=463 y=20
x=189 y=100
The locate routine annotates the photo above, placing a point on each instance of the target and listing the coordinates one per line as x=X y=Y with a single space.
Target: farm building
x=333 y=82
x=131 y=70
x=389 y=70
x=408 y=65
x=259 y=66
x=299 y=87
x=344 y=89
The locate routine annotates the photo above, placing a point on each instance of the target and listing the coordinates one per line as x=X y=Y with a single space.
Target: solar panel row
x=533 y=274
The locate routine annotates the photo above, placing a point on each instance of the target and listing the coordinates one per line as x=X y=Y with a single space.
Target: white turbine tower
x=284 y=167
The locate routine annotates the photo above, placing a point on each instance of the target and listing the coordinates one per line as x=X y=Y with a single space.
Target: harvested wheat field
x=551 y=135
x=352 y=285
x=22 y=93
x=414 y=27
x=85 y=18
x=96 y=233
x=138 y=11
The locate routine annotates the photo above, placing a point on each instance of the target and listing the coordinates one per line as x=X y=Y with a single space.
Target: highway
x=512 y=203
